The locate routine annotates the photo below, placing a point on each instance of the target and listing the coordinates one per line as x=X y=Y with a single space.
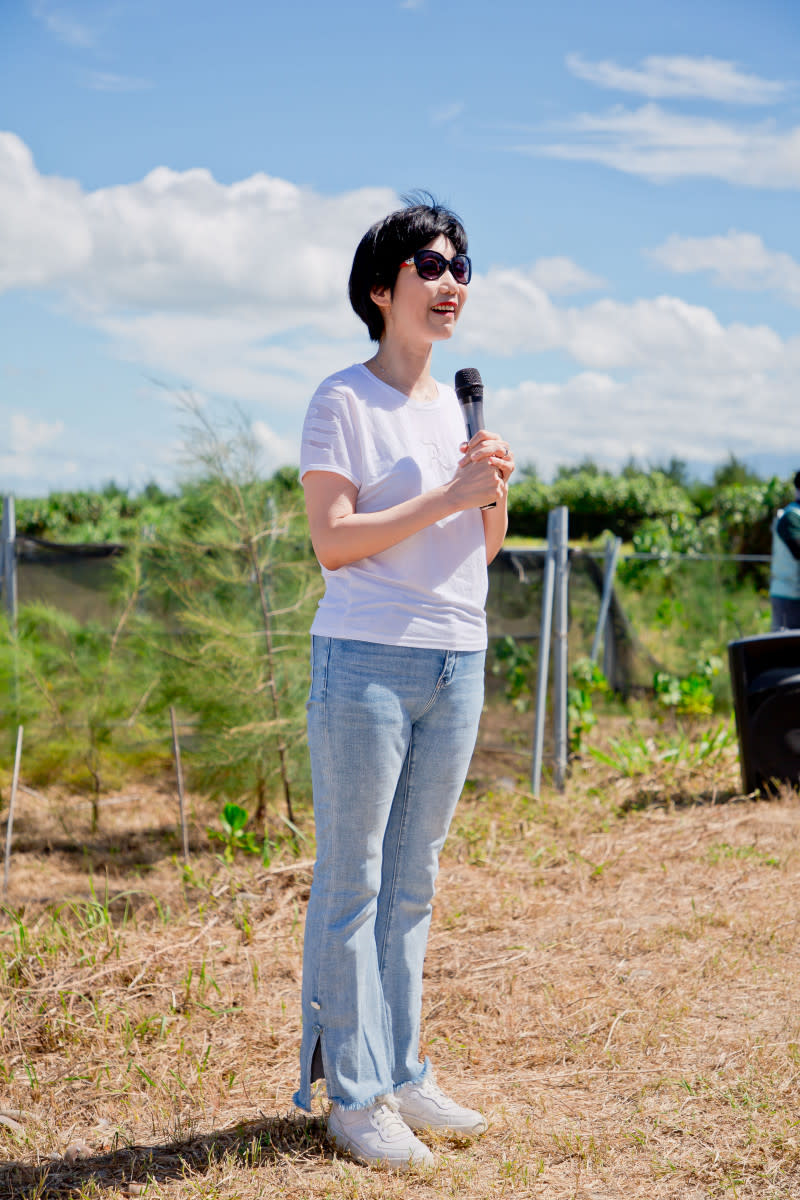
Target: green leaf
x=234 y=818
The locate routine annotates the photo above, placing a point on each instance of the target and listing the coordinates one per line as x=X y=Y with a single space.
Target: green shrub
x=746 y=512
x=92 y=517
x=693 y=695
x=666 y=538
x=85 y=695
x=588 y=681
x=597 y=502
x=515 y=661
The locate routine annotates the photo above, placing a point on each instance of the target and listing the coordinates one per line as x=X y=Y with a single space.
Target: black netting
x=691 y=604
x=514 y=608
x=79 y=579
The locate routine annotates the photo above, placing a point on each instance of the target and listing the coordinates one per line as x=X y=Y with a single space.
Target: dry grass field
x=612 y=977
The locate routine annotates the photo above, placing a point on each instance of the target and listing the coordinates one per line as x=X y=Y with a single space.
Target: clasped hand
x=485 y=468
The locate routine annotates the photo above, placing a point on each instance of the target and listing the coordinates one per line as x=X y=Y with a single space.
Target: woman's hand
x=476 y=484
x=489 y=449
x=489 y=446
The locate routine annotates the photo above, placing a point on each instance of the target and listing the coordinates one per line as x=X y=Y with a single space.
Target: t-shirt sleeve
x=788 y=528
x=329 y=441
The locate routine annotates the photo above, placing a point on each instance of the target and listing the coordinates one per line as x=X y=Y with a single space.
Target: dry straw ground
x=612 y=977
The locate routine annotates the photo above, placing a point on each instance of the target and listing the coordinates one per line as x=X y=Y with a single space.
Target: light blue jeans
x=391 y=731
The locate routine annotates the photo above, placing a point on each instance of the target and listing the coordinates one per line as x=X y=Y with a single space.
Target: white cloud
x=658 y=377
x=44 y=233
x=28 y=436
x=561 y=276
x=262 y=252
x=736 y=260
x=650 y=415
x=234 y=356
x=278 y=451
x=660 y=145
x=443 y=116
x=181 y=242
x=59 y=21
x=239 y=291
x=509 y=313
x=660 y=77
x=190 y=408
x=26 y=441
x=104 y=81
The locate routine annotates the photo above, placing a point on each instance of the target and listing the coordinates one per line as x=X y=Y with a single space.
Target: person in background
x=784 y=583
x=397 y=504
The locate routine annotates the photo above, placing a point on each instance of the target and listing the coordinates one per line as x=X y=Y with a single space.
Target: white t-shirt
x=430 y=589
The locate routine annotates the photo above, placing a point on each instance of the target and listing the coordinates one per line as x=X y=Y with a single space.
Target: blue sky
x=182 y=186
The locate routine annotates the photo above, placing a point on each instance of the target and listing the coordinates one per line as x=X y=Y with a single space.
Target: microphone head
x=468 y=383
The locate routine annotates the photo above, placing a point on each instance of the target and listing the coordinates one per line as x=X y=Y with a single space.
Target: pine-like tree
x=236 y=581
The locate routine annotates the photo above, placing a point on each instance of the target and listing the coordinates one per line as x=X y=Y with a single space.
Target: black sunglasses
x=432 y=265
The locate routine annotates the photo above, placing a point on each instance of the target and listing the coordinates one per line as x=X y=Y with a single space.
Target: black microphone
x=469 y=389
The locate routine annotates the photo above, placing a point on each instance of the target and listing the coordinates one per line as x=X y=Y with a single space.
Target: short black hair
x=389 y=242
x=797 y=482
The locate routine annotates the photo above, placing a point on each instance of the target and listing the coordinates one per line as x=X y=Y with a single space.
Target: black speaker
x=765 y=675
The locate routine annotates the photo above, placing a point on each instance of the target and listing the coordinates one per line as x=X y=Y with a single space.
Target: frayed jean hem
x=355 y=1105
x=298 y=1102
x=345 y=1105
x=423 y=1074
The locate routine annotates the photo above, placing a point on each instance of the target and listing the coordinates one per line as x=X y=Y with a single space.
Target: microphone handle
x=473 y=416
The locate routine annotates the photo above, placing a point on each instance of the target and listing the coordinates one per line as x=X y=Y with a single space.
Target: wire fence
x=663 y=612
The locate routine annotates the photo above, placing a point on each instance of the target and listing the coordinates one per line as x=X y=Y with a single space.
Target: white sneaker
x=425 y=1106
x=377 y=1136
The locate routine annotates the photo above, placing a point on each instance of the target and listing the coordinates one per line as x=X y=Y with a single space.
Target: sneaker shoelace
x=386 y=1117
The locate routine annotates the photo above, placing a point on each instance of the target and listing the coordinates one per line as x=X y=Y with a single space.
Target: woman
x=397 y=507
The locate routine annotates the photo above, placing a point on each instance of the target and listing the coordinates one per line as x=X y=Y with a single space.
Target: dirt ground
x=612 y=978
